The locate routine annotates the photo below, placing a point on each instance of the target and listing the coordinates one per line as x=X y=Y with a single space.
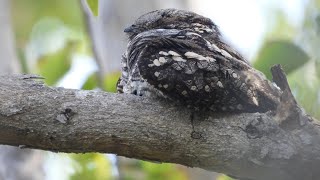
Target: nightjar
x=181 y=56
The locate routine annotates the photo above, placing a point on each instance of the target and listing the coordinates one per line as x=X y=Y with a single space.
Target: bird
x=181 y=56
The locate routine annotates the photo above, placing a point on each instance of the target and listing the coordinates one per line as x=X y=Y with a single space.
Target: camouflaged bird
x=181 y=56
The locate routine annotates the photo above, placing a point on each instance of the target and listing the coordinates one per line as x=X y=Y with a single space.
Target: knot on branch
x=65 y=116
x=288 y=112
x=259 y=127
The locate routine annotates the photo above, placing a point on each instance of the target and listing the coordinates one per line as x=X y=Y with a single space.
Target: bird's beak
x=130 y=29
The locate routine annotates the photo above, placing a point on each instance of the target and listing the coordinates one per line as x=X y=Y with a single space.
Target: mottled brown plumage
x=181 y=56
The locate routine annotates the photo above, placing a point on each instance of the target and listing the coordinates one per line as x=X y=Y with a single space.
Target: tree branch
x=248 y=145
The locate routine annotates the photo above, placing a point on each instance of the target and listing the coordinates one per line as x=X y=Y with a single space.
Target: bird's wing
x=186 y=67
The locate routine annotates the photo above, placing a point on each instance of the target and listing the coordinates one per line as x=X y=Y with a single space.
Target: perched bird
x=181 y=55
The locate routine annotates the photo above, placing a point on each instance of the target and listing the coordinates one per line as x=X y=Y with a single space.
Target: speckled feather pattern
x=190 y=64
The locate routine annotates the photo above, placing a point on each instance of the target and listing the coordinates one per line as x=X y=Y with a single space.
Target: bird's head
x=172 y=19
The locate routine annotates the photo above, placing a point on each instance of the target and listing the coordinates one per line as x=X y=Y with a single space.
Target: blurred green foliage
x=91 y=166
x=163 y=171
x=296 y=48
x=133 y=170
x=26 y=13
x=224 y=177
x=54 y=66
x=91 y=82
x=286 y=53
x=305 y=85
x=93 y=4
x=109 y=82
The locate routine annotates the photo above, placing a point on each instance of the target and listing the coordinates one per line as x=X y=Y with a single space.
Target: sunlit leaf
x=162 y=171
x=305 y=85
x=110 y=82
x=53 y=66
x=282 y=28
x=285 y=53
x=224 y=177
x=93 y=166
x=23 y=61
x=317 y=23
x=91 y=82
x=94 y=6
x=318 y=69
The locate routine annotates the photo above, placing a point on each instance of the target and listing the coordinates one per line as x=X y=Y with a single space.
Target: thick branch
x=249 y=145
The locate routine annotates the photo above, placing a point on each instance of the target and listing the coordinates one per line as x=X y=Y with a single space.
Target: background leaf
x=92 y=166
x=53 y=66
x=289 y=55
x=110 y=81
x=91 y=82
x=93 y=4
x=305 y=85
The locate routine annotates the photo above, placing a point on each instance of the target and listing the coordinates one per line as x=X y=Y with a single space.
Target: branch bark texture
x=248 y=145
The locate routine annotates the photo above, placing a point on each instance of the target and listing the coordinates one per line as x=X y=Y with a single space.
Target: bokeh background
x=63 y=42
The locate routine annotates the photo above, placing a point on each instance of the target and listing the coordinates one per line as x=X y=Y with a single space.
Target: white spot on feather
x=210 y=59
x=184 y=92
x=173 y=53
x=156 y=62
x=124 y=73
x=193 y=88
x=226 y=54
x=216 y=48
x=208 y=30
x=255 y=101
x=178 y=58
x=163 y=53
x=234 y=75
x=191 y=33
x=195 y=56
x=197 y=24
x=207 y=88
x=162 y=60
x=156 y=74
x=219 y=83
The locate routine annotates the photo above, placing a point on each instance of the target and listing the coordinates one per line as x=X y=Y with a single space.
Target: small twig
x=87 y=19
x=279 y=77
x=289 y=113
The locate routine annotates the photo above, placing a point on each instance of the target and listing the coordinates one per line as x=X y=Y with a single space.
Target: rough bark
x=272 y=145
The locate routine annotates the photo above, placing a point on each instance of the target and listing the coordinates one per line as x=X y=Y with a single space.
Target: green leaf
x=91 y=82
x=224 y=177
x=289 y=55
x=94 y=6
x=53 y=66
x=318 y=69
x=94 y=166
x=110 y=81
x=162 y=171
x=305 y=85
